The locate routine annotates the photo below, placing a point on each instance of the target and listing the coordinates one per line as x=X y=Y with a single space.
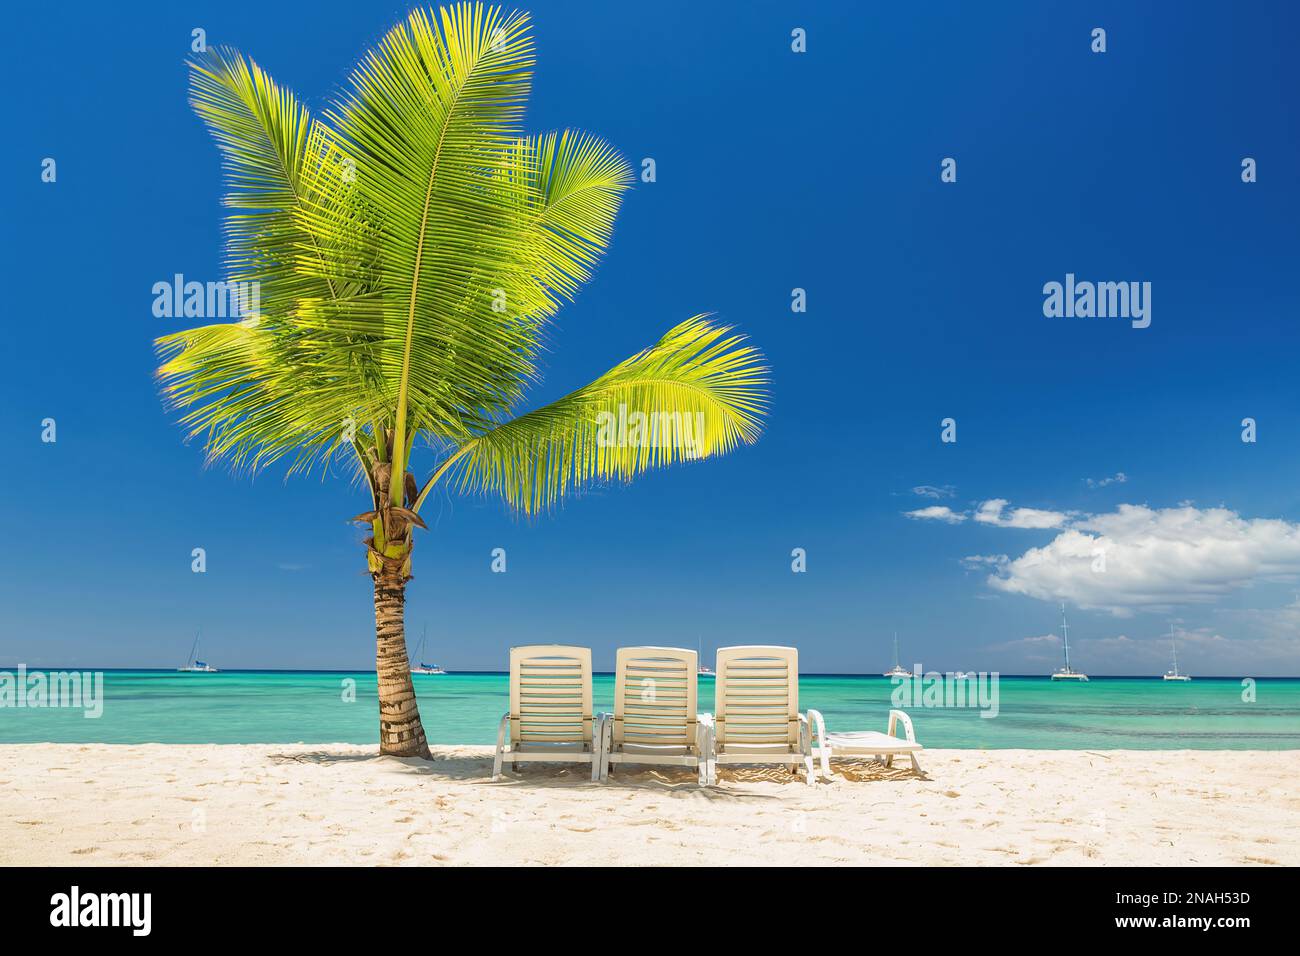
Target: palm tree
x=409 y=249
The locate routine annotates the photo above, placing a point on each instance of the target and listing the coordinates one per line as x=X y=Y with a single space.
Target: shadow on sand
x=477 y=768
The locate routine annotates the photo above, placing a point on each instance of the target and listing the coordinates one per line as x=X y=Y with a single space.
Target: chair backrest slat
x=655 y=696
x=757 y=696
x=550 y=694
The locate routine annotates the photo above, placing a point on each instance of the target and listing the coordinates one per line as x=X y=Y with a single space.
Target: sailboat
x=192 y=664
x=1173 y=674
x=421 y=667
x=1067 y=672
x=898 y=670
x=704 y=669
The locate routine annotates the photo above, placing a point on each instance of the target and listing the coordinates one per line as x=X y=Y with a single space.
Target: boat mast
x=1173 y=644
x=896 y=664
x=1065 y=636
x=194 y=648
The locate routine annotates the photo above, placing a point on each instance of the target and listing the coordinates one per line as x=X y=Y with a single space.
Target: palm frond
x=696 y=393
x=431 y=118
x=269 y=144
x=581 y=180
x=278 y=383
x=249 y=404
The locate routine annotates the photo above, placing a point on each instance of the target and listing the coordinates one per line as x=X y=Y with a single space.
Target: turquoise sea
x=288 y=707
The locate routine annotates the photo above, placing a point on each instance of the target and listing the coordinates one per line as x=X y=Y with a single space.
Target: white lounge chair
x=550 y=716
x=654 y=719
x=757 y=710
x=867 y=743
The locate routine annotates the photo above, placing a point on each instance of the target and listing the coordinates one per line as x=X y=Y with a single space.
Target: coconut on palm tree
x=409 y=248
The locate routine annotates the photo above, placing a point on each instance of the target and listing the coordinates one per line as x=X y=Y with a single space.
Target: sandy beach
x=339 y=804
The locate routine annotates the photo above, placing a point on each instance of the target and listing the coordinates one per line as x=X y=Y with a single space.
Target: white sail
x=1067 y=673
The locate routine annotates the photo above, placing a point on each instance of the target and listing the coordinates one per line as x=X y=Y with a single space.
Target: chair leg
x=826 y=764
x=702 y=752
x=604 y=734
x=501 y=744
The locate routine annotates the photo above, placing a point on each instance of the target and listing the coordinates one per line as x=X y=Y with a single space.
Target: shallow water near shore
x=311 y=707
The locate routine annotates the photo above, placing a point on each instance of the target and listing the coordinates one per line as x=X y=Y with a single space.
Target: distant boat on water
x=1173 y=674
x=192 y=664
x=704 y=669
x=421 y=667
x=1067 y=672
x=898 y=670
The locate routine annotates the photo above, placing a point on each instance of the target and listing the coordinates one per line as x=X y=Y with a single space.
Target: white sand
x=339 y=804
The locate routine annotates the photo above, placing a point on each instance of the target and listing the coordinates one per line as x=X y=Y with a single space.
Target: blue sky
x=775 y=170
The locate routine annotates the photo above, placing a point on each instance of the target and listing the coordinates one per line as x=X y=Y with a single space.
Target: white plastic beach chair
x=867 y=743
x=757 y=709
x=654 y=719
x=550 y=715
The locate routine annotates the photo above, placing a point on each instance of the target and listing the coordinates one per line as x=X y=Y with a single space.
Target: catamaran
x=1173 y=674
x=898 y=670
x=421 y=667
x=1067 y=672
x=704 y=669
x=193 y=665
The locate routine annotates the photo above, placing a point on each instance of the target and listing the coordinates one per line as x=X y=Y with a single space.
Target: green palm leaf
x=696 y=393
x=273 y=385
x=269 y=143
x=431 y=117
x=581 y=180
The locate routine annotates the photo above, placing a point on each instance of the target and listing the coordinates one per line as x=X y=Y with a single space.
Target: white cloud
x=994 y=512
x=934 y=491
x=1116 y=479
x=937 y=513
x=1152 y=558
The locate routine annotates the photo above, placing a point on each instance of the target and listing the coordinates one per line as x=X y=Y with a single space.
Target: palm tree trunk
x=400 y=730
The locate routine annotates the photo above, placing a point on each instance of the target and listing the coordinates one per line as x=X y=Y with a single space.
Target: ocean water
x=310 y=707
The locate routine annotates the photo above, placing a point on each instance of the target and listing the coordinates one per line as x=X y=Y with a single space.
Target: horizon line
x=610 y=673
